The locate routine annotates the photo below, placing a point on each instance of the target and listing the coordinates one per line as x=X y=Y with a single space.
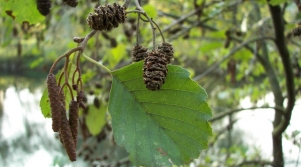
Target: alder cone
x=155 y=70
x=67 y=138
x=44 y=6
x=71 y=3
x=167 y=50
x=73 y=119
x=139 y=53
x=106 y=17
x=55 y=102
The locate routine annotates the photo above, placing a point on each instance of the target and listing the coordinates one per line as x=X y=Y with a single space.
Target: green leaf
x=25 y=10
x=159 y=128
x=116 y=55
x=276 y=2
x=150 y=10
x=96 y=119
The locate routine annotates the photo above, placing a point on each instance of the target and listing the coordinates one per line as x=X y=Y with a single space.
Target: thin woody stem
x=141 y=11
x=157 y=26
x=163 y=39
x=137 y=32
x=63 y=56
x=70 y=90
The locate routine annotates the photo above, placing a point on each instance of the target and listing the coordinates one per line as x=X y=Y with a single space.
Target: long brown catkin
x=67 y=138
x=73 y=119
x=55 y=103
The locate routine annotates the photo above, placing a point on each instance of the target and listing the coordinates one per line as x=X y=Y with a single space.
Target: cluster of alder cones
x=155 y=67
x=155 y=64
x=67 y=127
x=44 y=5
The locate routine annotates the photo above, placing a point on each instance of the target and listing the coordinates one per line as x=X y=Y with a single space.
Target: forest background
x=242 y=52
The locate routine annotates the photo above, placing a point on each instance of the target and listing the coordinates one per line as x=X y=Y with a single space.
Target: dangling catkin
x=55 y=103
x=73 y=119
x=67 y=138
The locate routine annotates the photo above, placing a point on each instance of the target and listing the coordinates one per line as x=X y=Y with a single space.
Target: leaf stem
x=97 y=63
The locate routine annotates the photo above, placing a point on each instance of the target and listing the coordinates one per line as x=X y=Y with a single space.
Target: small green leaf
x=159 y=128
x=45 y=104
x=25 y=10
x=116 y=55
x=96 y=119
x=150 y=10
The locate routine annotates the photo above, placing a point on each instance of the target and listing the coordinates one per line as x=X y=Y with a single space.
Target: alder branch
x=181 y=19
x=141 y=11
x=278 y=22
x=223 y=114
x=231 y=53
x=160 y=13
x=195 y=11
x=126 y=4
x=255 y=162
x=221 y=131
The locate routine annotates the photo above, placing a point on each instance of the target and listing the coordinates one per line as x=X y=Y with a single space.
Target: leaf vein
x=202 y=143
x=173 y=105
x=179 y=121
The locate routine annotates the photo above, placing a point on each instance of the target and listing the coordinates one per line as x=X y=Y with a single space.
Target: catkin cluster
x=44 y=6
x=106 y=17
x=67 y=128
x=155 y=70
x=155 y=64
x=139 y=53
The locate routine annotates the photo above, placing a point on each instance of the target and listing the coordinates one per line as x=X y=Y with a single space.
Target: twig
x=138 y=5
x=137 y=32
x=256 y=162
x=223 y=114
x=234 y=50
x=149 y=20
x=161 y=33
x=87 y=37
x=63 y=56
x=157 y=26
x=126 y=4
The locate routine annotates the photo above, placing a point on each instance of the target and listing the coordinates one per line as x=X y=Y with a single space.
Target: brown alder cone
x=167 y=50
x=44 y=6
x=155 y=70
x=139 y=53
x=55 y=103
x=67 y=138
x=80 y=98
x=106 y=17
x=73 y=119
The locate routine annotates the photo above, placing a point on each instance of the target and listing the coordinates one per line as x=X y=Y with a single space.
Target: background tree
x=231 y=53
